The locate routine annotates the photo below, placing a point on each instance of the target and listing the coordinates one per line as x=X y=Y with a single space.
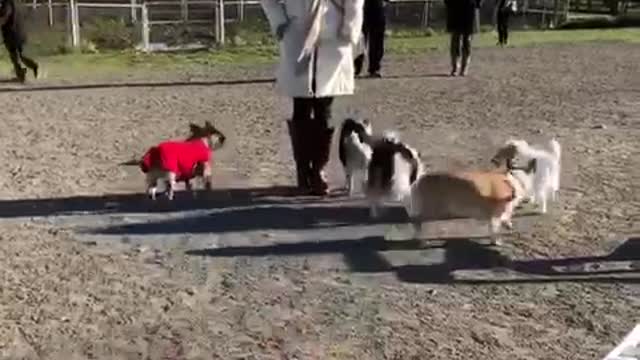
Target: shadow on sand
x=166 y=84
x=139 y=202
x=274 y=208
x=365 y=255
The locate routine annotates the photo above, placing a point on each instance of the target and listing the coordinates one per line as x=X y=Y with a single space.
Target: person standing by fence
x=504 y=11
x=373 y=28
x=463 y=20
x=317 y=38
x=14 y=38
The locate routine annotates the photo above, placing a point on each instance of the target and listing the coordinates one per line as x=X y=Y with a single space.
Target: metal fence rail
x=148 y=14
x=145 y=8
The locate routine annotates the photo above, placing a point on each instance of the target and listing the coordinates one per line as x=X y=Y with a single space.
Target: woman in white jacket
x=317 y=39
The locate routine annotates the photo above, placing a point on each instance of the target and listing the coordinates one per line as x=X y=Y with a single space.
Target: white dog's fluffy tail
x=555 y=148
x=555 y=173
x=390 y=136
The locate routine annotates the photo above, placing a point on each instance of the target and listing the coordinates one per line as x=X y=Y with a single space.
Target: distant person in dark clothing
x=14 y=39
x=505 y=9
x=373 y=28
x=462 y=22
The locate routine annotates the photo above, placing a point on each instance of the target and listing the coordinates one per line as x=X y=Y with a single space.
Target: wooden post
x=34 y=4
x=145 y=28
x=50 y=12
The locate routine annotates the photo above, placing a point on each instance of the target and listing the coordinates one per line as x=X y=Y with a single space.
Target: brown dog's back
x=479 y=195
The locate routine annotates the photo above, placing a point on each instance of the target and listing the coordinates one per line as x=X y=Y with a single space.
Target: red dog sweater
x=179 y=157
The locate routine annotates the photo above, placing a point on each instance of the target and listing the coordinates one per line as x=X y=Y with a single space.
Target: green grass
x=402 y=42
x=410 y=46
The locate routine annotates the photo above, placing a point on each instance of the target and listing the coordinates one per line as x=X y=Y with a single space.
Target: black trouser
x=311 y=140
x=373 y=28
x=460 y=44
x=14 y=48
x=312 y=109
x=503 y=27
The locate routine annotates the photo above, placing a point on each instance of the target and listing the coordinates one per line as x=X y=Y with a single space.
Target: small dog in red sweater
x=174 y=160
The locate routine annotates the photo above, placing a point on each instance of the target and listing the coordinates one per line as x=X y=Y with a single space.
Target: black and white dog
x=393 y=169
x=355 y=151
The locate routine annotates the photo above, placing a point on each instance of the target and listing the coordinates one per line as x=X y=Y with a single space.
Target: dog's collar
x=523 y=168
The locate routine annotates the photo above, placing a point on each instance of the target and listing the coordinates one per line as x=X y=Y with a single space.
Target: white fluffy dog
x=355 y=151
x=546 y=179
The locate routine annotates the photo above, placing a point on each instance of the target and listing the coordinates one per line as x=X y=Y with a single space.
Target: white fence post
x=425 y=13
x=241 y=10
x=221 y=23
x=50 y=12
x=145 y=28
x=184 y=10
x=216 y=23
x=134 y=12
x=75 y=24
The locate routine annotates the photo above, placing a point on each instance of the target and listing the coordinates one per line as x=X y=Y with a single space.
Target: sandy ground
x=89 y=271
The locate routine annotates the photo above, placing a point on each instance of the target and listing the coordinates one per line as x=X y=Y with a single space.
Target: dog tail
x=555 y=148
x=555 y=174
x=133 y=162
x=390 y=136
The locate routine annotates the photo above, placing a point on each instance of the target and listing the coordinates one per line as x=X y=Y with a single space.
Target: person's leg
x=321 y=141
x=359 y=60
x=30 y=63
x=506 y=28
x=298 y=128
x=358 y=63
x=466 y=54
x=500 y=28
x=14 y=55
x=454 y=51
x=376 y=46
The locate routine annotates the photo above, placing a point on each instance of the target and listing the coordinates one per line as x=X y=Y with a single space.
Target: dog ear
x=195 y=129
x=532 y=165
x=366 y=122
x=209 y=127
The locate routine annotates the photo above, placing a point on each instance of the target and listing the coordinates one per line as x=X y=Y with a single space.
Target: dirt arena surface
x=565 y=285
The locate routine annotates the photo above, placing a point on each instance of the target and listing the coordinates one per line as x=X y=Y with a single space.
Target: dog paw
x=152 y=193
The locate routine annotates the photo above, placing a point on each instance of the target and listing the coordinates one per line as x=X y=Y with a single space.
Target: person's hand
x=282 y=29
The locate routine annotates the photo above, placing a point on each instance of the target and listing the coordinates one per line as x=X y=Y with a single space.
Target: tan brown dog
x=483 y=195
x=181 y=160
